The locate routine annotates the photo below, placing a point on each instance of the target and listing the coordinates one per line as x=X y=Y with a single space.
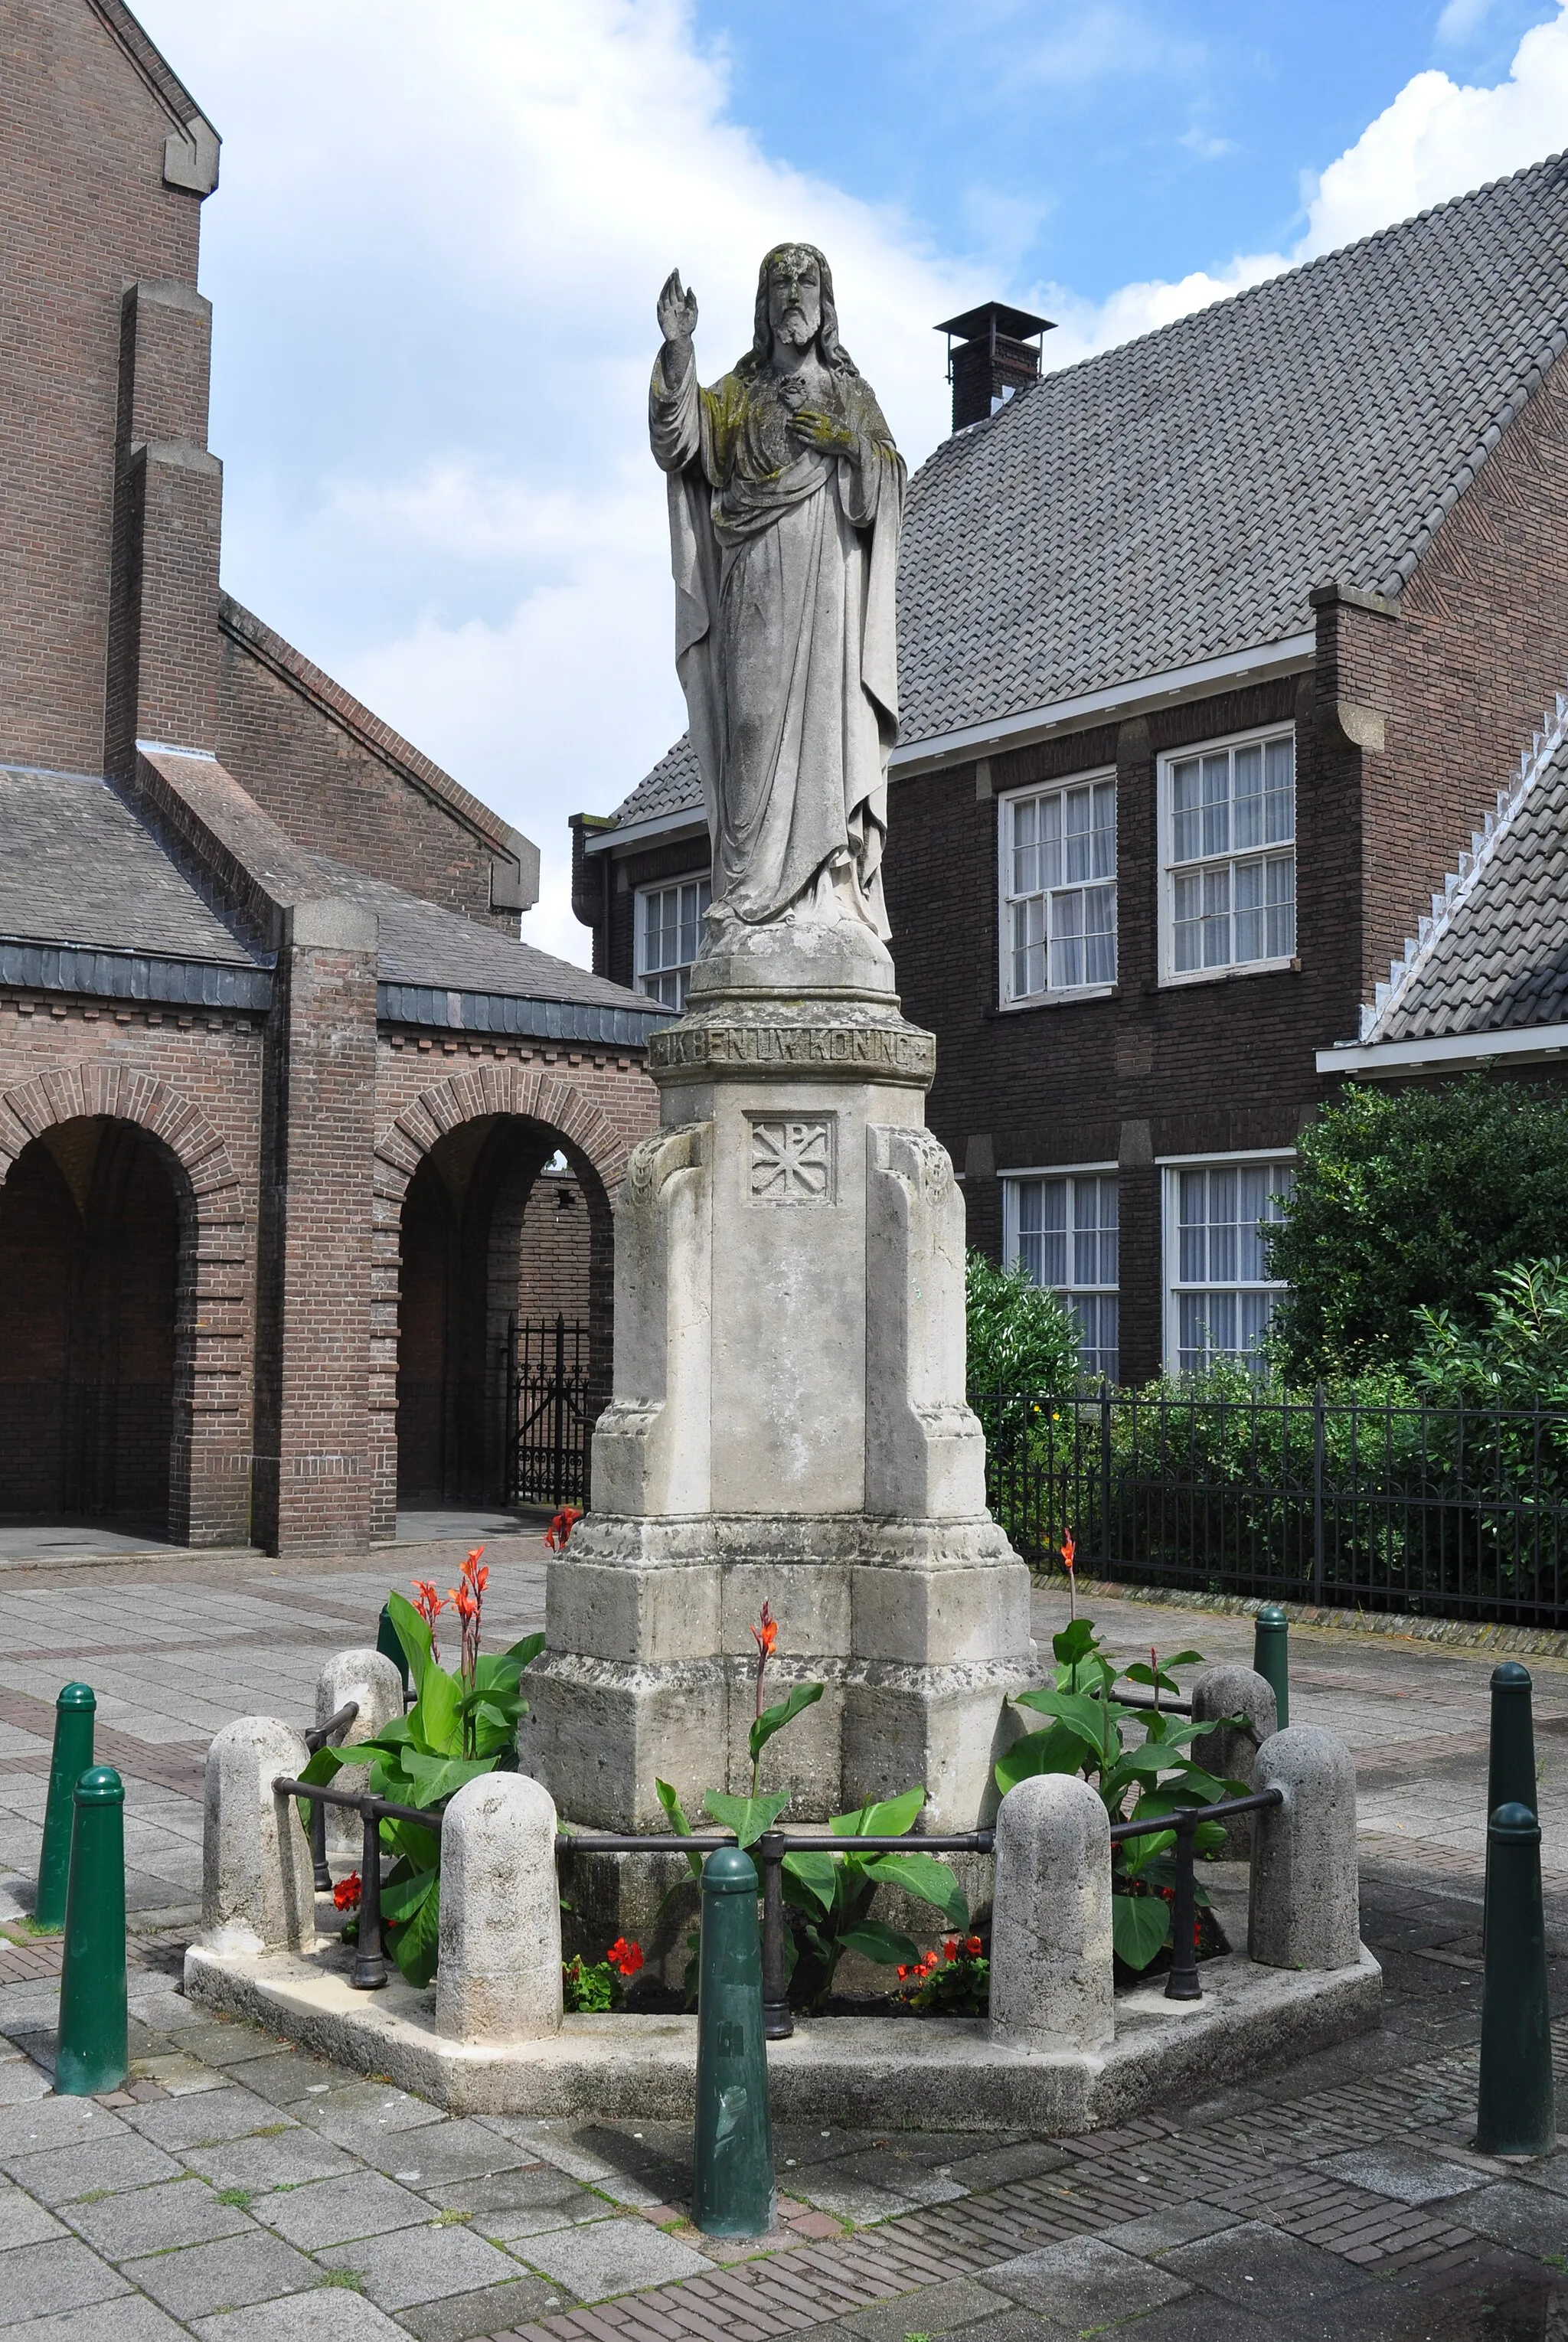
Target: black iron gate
x=550 y=1413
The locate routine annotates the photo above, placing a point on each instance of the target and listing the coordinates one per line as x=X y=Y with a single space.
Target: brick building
x=1215 y=650
x=278 y=1080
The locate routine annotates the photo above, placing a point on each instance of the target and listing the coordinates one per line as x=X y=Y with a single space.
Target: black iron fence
x=1455 y=1511
x=550 y=1411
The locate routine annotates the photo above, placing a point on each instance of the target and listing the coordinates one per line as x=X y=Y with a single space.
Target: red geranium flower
x=561 y=1526
x=346 y=1894
x=624 y=1958
x=973 y=1947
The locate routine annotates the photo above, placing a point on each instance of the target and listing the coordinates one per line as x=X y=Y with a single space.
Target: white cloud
x=434 y=255
x=1436 y=140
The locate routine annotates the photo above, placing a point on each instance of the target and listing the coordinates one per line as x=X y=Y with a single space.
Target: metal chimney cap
x=1019 y=324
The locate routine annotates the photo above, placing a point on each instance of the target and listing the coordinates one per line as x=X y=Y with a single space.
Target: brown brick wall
x=82 y=209
x=190 y=1083
x=333 y=795
x=1478 y=652
x=656 y=867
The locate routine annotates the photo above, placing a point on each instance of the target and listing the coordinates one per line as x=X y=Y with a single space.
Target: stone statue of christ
x=785 y=491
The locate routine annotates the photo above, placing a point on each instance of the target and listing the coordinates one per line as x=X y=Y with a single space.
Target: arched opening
x=90 y=1243
x=505 y=1278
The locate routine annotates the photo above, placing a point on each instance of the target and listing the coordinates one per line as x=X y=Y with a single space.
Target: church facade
x=293 y=1126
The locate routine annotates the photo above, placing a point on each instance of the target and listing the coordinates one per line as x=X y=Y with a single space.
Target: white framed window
x=669 y=929
x=1227 y=852
x=1064 y=1228
x=1220 y=1296
x=1058 y=888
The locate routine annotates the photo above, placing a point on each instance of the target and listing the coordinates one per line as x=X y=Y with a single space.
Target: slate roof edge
x=1255 y=661
x=1444 y=1049
x=450 y=1009
x=1461 y=883
x=362 y=723
x=118 y=974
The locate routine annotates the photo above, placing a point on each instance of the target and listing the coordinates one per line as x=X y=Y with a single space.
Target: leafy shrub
x=1144 y=1780
x=1408 y=1201
x=954 y=1982
x=592 y=1989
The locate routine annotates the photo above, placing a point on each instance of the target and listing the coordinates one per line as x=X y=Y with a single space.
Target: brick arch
x=210 y=1448
x=480 y=1091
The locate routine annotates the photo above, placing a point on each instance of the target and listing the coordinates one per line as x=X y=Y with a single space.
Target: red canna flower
x=766 y=1633
x=561 y=1528
x=346 y=1894
x=1069 y=1549
x=1069 y=1553
x=624 y=1958
x=430 y=1606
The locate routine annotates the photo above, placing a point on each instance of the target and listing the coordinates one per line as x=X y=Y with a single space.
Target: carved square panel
x=792 y=1159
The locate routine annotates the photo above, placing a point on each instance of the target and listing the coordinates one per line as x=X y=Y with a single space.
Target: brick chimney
x=998 y=353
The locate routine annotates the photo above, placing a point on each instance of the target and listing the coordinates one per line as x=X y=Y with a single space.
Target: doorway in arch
x=90 y=1242
x=506 y=1232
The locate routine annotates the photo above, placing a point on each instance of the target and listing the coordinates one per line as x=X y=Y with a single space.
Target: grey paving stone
x=111 y=2161
x=296 y=2155
x=994 y=2166
x=536 y=2197
x=1266 y=2273
x=203 y=2118
x=934 y=2309
x=201 y=2278
x=419 y=2265
x=1531 y=2219
x=174 y=2212
x=1158 y=2232
x=331 y=2315
x=360 y=2113
x=848 y=2198
x=1410 y=2174
x=1085 y=2281
x=20 y=2082
x=23 y=2222
x=43 y=2280
x=129 y=2318
x=448 y=2150
x=612 y=2256
x=331 y=2211
x=496 y=2309
x=54 y=2122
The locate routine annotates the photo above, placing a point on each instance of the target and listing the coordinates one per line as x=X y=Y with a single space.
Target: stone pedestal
x=788 y=1422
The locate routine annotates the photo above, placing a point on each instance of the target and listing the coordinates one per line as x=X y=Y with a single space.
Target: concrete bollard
x=92 y=2053
x=1231 y=1754
x=499 y=1973
x=371 y=1680
x=1305 y=1907
x=74 y=1708
x=259 y=1892
x=1051 y=1949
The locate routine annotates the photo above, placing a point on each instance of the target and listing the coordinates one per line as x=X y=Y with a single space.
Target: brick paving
x=236 y=2177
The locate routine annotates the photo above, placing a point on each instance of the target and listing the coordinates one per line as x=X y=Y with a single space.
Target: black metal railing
x=1457 y=1511
x=317 y=1737
x=551 y=1408
x=769 y=1851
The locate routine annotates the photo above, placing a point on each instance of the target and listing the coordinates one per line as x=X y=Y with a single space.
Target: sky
x=442 y=225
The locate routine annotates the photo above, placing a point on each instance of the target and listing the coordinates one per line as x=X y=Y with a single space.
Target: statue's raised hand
x=677 y=311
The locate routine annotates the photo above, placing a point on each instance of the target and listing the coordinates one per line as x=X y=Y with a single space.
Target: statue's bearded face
x=795 y=299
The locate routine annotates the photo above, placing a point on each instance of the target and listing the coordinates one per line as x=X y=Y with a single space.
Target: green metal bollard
x=733 y=2194
x=1516 y=2113
x=1272 y=1657
x=92 y=2053
x=74 y=1710
x=1511 y=1766
x=389 y=1643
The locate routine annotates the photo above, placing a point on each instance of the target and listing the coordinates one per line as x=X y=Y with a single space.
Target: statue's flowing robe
x=785 y=562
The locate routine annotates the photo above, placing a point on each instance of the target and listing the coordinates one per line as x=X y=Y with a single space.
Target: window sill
x=1073 y=1000
x=1170 y=982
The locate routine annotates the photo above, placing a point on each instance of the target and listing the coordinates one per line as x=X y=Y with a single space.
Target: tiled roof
x=1493 y=955
x=77 y=867
x=1175 y=500
x=422 y=944
x=673 y=787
